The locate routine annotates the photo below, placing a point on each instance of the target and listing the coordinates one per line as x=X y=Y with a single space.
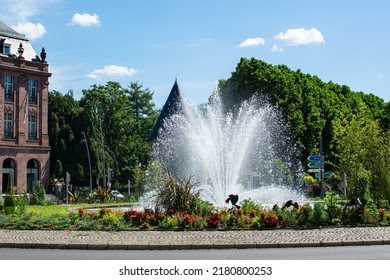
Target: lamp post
x=89 y=162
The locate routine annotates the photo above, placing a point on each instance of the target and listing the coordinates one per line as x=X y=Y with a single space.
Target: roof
x=172 y=106
x=7 y=31
x=14 y=39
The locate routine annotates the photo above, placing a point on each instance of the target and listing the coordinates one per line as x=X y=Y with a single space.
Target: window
x=32 y=174
x=9 y=88
x=8 y=128
x=32 y=127
x=8 y=175
x=32 y=91
x=6 y=49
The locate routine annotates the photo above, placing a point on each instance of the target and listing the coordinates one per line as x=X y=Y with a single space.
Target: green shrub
x=320 y=216
x=10 y=198
x=333 y=209
x=21 y=205
x=249 y=206
x=202 y=207
x=304 y=215
x=39 y=194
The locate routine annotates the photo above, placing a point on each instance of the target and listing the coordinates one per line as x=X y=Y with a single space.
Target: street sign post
x=315 y=158
x=315 y=164
x=324 y=175
x=315 y=170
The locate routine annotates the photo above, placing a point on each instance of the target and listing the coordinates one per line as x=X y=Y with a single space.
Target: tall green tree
x=345 y=119
x=63 y=121
x=118 y=121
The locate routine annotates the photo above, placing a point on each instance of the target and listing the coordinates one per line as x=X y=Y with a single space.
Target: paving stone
x=165 y=240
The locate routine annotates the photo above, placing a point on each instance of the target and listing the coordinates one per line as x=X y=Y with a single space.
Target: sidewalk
x=172 y=240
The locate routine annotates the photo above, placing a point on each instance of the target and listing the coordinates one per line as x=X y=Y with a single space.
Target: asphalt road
x=373 y=252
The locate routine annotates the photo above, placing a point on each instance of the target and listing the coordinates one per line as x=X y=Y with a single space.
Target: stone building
x=24 y=141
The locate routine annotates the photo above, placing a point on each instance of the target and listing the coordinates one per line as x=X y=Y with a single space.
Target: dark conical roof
x=171 y=107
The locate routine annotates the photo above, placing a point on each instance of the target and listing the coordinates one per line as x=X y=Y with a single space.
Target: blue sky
x=200 y=42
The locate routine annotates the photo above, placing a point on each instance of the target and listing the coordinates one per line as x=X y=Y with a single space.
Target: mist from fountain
x=248 y=152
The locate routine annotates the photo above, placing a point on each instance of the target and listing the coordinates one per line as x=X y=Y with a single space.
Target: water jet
x=247 y=152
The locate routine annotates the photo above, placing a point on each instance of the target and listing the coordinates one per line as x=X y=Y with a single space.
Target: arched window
x=8 y=174
x=32 y=174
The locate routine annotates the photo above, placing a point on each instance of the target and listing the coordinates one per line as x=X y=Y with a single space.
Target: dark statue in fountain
x=233 y=199
x=287 y=204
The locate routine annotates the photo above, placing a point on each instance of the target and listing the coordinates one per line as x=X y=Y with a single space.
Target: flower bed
x=249 y=216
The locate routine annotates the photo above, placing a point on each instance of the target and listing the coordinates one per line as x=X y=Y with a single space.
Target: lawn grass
x=48 y=210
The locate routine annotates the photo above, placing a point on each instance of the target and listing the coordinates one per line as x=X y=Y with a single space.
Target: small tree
x=39 y=194
x=58 y=170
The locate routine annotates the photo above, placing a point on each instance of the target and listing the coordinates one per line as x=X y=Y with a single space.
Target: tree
x=64 y=123
x=118 y=121
x=350 y=139
x=349 y=120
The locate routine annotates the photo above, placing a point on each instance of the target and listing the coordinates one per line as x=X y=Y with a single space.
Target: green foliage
x=363 y=185
x=327 y=213
x=355 y=126
x=21 y=205
x=138 y=181
x=331 y=201
x=10 y=198
x=58 y=170
x=248 y=206
x=202 y=207
x=39 y=194
x=304 y=215
x=176 y=194
x=64 y=122
x=320 y=215
x=116 y=121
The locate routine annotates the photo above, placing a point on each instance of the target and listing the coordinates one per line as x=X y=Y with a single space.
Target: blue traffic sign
x=316 y=158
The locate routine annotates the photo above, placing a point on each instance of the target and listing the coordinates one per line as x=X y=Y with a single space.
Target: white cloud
x=276 y=48
x=251 y=42
x=32 y=31
x=17 y=14
x=85 y=19
x=112 y=70
x=301 y=36
x=21 y=10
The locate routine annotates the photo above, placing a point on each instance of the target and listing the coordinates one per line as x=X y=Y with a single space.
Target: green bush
x=39 y=194
x=202 y=207
x=333 y=209
x=10 y=198
x=249 y=206
x=304 y=215
x=319 y=216
x=21 y=205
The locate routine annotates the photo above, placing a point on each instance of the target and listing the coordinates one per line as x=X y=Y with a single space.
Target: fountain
x=247 y=153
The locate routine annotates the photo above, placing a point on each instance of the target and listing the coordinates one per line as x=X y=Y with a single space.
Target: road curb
x=188 y=246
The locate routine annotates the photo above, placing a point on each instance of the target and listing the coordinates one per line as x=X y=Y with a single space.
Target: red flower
x=271 y=221
x=214 y=220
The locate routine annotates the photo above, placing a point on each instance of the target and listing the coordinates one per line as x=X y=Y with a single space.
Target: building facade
x=24 y=140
